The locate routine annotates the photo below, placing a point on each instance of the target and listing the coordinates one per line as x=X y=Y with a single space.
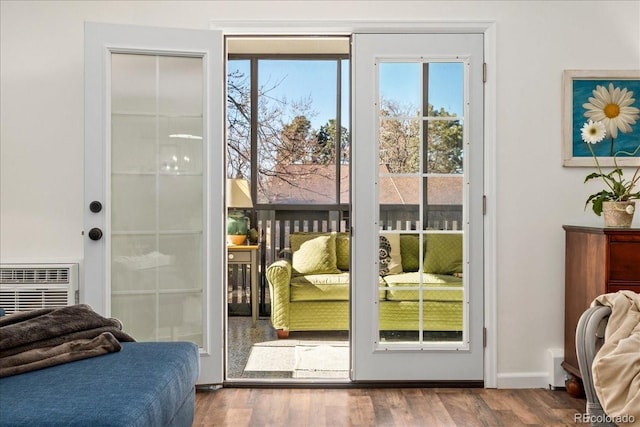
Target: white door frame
x=488 y=28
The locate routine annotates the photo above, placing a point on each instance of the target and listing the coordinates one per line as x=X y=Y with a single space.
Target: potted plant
x=237 y=228
x=610 y=110
x=617 y=198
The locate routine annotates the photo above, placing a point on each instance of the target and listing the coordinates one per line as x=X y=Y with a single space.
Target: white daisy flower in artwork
x=593 y=132
x=613 y=107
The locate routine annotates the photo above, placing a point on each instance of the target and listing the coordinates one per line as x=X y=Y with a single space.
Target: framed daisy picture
x=610 y=98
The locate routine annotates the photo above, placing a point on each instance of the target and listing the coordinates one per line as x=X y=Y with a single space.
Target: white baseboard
x=523 y=380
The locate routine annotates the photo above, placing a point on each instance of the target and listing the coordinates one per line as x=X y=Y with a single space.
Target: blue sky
x=398 y=81
x=401 y=82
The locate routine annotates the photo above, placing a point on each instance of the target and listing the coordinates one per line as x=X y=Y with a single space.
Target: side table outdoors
x=247 y=255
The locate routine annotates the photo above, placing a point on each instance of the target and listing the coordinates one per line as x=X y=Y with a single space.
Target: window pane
x=345 y=123
x=297 y=131
x=399 y=145
x=444 y=146
x=157 y=195
x=445 y=88
x=345 y=100
x=239 y=118
x=420 y=192
x=399 y=88
x=399 y=199
x=443 y=202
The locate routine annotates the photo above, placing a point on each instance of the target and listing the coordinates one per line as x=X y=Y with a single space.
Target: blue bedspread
x=145 y=384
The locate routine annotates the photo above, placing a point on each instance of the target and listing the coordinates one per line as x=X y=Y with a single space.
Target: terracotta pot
x=236 y=239
x=616 y=214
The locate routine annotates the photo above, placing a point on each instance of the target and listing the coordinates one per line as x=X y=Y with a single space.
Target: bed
x=141 y=384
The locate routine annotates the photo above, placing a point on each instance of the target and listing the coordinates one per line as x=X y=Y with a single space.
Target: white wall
x=41 y=110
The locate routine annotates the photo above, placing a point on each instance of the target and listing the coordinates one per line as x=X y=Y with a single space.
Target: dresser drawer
x=612 y=288
x=624 y=259
x=239 y=256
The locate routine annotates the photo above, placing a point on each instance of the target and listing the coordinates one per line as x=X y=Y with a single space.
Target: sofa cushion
x=390 y=257
x=444 y=254
x=320 y=287
x=313 y=253
x=397 y=281
x=342 y=251
x=325 y=287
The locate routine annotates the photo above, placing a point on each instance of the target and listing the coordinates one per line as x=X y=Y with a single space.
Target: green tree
x=296 y=146
x=326 y=139
x=444 y=144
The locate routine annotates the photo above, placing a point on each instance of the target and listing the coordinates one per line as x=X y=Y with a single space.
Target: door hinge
x=484 y=337
x=484 y=72
x=484 y=204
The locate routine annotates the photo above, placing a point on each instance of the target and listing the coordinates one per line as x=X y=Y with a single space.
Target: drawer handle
x=231 y=256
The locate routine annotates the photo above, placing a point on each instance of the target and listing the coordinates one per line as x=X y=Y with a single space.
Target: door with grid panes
x=154 y=242
x=417 y=306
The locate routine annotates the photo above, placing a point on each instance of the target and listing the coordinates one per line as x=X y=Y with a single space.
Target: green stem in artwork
x=601 y=174
x=611 y=147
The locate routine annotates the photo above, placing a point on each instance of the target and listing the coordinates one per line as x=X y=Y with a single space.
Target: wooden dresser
x=597 y=261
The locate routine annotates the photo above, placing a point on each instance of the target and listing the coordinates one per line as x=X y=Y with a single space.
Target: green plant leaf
x=593 y=176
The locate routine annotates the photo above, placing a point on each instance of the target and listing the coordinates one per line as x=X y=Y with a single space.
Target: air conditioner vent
x=34 y=275
x=25 y=287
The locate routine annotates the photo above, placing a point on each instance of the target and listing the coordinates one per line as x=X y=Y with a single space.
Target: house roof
x=315 y=184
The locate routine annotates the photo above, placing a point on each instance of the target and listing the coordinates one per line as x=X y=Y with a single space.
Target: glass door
x=418 y=207
x=154 y=194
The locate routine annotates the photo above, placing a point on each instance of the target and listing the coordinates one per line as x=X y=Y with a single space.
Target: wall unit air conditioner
x=25 y=287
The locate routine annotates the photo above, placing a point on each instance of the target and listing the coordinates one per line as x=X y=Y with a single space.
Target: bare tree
x=400 y=143
x=284 y=137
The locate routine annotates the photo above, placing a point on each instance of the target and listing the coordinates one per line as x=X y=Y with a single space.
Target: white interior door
x=418 y=177
x=154 y=180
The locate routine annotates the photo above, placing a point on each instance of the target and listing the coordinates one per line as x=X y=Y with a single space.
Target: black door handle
x=95 y=206
x=95 y=234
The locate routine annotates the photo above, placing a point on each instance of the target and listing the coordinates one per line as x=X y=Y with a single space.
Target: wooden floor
x=385 y=407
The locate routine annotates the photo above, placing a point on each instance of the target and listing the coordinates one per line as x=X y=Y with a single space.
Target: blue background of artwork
x=582 y=90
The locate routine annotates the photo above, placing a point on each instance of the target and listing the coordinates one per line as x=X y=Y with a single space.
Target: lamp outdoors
x=238 y=198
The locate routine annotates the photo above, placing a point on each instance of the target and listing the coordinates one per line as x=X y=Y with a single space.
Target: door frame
x=488 y=29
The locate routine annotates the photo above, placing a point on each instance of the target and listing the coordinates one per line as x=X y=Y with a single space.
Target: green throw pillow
x=313 y=253
x=444 y=254
x=342 y=251
x=410 y=252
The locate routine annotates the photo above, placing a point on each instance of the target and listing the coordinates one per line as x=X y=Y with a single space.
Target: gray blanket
x=47 y=337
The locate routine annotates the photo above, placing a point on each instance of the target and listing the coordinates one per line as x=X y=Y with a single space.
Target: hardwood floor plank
x=467 y=408
x=430 y=408
x=495 y=399
x=424 y=407
x=301 y=408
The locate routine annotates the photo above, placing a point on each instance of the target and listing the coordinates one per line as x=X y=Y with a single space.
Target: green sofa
x=310 y=290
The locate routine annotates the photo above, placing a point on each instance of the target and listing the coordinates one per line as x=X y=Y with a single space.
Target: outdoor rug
x=304 y=359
